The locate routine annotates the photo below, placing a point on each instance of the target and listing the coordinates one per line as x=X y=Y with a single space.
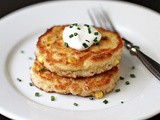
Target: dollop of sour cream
x=80 y=37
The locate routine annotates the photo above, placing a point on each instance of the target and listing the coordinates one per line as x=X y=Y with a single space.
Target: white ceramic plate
x=19 y=32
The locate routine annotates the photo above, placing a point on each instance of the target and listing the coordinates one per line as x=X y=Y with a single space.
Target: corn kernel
x=116 y=62
x=40 y=59
x=72 y=60
x=99 y=95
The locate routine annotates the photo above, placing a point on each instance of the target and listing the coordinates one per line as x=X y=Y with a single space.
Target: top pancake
x=68 y=62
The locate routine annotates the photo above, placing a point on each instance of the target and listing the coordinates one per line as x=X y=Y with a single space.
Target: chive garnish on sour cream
x=81 y=36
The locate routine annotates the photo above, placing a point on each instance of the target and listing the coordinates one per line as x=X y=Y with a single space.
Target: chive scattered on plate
x=22 y=51
x=133 y=67
x=52 y=98
x=117 y=90
x=132 y=75
x=91 y=98
x=75 y=104
x=20 y=80
x=105 y=101
x=37 y=94
x=121 y=78
x=31 y=84
x=127 y=83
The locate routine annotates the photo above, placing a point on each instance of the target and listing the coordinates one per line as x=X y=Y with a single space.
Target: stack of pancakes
x=92 y=72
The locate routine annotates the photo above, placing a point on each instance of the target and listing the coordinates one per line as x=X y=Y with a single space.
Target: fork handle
x=152 y=65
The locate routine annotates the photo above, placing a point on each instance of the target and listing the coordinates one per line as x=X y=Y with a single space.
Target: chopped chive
x=66 y=44
x=95 y=41
x=132 y=75
x=79 y=28
x=56 y=36
x=30 y=58
x=75 y=104
x=87 y=40
x=75 y=24
x=70 y=36
x=22 y=51
x=41 y=70
x=31 y=84
x=20 y=80
x=85 y=45
x=117 y=90
x=133 y=67
x=105 y=101
x=70 y=26
x=121 y=78
x=96 y=33
x=75 y=34
x=30 y=67
x=127 y=83
x=86 y=25
x=52 y=98
x=37 y=94
x=122 y=102
x=104 y=37
x=89 y=30
x=91 y=98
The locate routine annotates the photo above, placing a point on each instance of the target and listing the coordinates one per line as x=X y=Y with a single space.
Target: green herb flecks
x=31 y=84
x=56 y=36
x=75 y=34
x=22 y=51
x=105 y=101
x=85 y=45
x=89 y=30
x=87 y=41
x=70 y=26
x=41 y=70
x=96 y=33
x=75 y=24
x=133 y=67
x=20 y=80
x=70 y=36
x=117 y=90
x=132 y=75
x=30 y=58
x=96 y=42
x=121 y=78
x=91 y=98
x=37 y=94
x=86 y=25
x=52 y=98
x=79 y=28
x=127 y=83
x=66 y=44
x=75 y=104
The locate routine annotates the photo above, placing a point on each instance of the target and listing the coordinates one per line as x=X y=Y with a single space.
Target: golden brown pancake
x=84 y=86
x=68 y=62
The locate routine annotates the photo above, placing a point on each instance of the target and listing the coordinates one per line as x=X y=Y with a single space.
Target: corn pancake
x=97 y=85
x=68 y=62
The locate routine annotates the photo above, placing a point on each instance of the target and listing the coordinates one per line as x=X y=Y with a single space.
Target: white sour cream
x=80 y=37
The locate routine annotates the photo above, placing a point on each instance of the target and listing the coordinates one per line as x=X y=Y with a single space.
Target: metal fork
x=101 y=17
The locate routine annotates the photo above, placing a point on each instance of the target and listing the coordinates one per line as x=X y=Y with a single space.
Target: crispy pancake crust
x=69 y=62
x=50 y=82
